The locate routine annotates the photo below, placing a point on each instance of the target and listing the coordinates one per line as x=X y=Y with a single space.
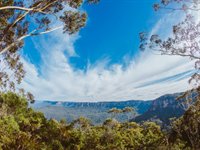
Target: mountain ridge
x=163 y=108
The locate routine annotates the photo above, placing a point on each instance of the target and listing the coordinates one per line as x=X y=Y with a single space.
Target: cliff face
x=96 y=112
x=162 y=108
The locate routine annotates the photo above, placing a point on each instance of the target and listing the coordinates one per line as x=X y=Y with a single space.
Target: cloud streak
x=146 y=78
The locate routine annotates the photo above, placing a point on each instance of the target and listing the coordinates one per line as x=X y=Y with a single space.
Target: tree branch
x=175 y=54
x=27 y=35
x=48 y=31
x=28 y=9
x=173 y=9
x=185 y=55
x=20 y=18
x=24 y=9
x=16 y=7
x=48 y=5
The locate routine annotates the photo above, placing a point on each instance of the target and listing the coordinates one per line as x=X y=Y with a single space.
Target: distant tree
x=130 y=112
x=20 y=19
x=114 y=112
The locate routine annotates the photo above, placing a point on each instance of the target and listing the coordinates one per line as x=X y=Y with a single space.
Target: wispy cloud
x=146 y=78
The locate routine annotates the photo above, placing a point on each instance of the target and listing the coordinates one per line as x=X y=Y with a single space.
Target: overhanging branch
x=27 y=35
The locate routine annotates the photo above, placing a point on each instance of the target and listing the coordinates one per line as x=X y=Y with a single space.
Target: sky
x=102 y=62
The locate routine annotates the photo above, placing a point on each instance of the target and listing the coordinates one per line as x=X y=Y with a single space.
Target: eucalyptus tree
x=185 y=38
x=20 y=19
x=184 y=41
x=130 y=112
x=114 y=112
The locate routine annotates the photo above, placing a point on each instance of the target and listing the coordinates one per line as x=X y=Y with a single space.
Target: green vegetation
x=23 y=128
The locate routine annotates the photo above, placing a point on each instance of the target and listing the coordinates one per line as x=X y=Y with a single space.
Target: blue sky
x=112 y=30
x=102 y=62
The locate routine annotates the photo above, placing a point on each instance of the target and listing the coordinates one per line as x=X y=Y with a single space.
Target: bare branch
x=16 y=7
x=175 y=54
x=181 y=9
x=20 y=18
x=28 y=35
x=48 y=31
x=24 y=9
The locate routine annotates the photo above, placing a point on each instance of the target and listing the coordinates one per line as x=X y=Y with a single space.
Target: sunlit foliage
x=23 y=128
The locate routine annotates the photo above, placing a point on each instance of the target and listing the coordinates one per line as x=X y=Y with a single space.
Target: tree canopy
x=25 y=129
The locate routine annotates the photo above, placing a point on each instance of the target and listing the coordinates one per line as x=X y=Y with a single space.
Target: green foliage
x=129 y=111
x=186 y=130
x=23 y=128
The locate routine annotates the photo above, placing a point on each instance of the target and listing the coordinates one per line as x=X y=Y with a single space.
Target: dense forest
x=22 y=128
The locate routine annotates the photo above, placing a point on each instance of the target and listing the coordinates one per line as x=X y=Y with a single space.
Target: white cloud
x=147 y=78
